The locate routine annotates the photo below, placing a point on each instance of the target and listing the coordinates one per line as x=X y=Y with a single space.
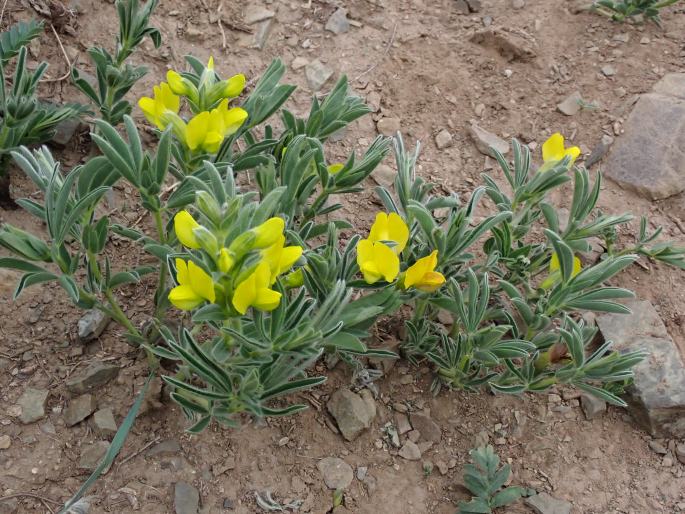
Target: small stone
x=255 y=13
x=104 y=423
x=592 y=406
x=442 y=467
x=384 y=176
x=429 y=430
x=361 y=473
x=262 y=33
x=402 y=423
x=79 y=409
x=645 y=40
x=194 y=34
x=410 y=451
x=317 y=74
x=680 y=452
x=352 y=412
x=508 y=44
x=486 y=141
x=518 y=4
x=508 y=72
x=186 y=498
x=599 y=151
x=373 y=100
x=338 y=22
x=608 y=70
x=65 y=131
x=228 y=504
x=93 y=377
x=388 y=126
x=571 y=104
x=167 y=448
x=5 y=442
x=414 y=436
x=475 y=5
x=553 y=398
x=543 y=503
x=32 y=404
x=337 y=474
x=479 y=110
x=667 y=461
x=92 y=454
x=443 y=139
x=461 y=6
x=299 y=63
x=487 y=21
x=657 y=447
x=371 y=484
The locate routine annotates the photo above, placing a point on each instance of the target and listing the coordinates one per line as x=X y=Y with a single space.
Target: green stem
x=120 y=316
x=163 y=271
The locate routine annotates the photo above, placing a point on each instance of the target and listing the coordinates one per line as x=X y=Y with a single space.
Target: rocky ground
x=456 y=75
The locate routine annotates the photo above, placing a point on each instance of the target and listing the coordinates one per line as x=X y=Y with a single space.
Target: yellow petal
x=210 y=63
x=169 y=100
x=212 y=142
x=398 y=230
x=554 y=263
x=335 y=168
x=201 y=282
x=267 y=299
x=226 y=262
x=431 y=281
x=245 y=294
x=553 y=148
x=181 y=271
x=147 y=105
x=196 y=131
x=176 y=82
x=572 y=152
x=366 y=261
x=416 y=272
x=295 y=279
x=577 y=266
x=262 y=275
x=268 y=232
x=234 y=86
x=184 y=224
x=185 y=298
x=233 y=120
x=386 y=261
x=289 y=256
x=379 y=229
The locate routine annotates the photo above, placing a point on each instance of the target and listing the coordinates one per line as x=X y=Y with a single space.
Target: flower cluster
x=208 y=99
x=237 y=276
x=378 y=256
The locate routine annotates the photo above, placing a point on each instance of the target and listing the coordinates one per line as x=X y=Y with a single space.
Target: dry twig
x=66 y=58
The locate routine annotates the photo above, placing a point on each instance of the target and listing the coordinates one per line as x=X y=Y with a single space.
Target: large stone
x=338 y=22
x=650 y=156
x=91 y=325
x=336 y=473
x=262 y=33
x=255 y=13
x=94 y=376
x=543 y=503
x=79 y=409
x=32 y=404
x=317 y=74
x=186 y=498
x=485 y=141
x=353 y=413
x=428 y=429
x=657 y=396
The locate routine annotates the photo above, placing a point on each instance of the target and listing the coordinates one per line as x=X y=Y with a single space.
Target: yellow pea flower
x=555 y=271
x=268 y=232
x=194 y=287
x=254 y=291
x=390 y=227
x=225 y=261
x=184 y=224
x=207 y=130
x=232 y=87
x=180 y=85
x=377 y=260
x=280 y=258
x=553 y=150
x=164 y=101
x=335 y=168
x=422 y=274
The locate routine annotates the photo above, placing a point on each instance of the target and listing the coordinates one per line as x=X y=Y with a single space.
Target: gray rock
x=680 y=452
x=543 y=503
x=650 y=156
x=599 y=151
x=402 y=423
x=485 y=141
x=64 y=132
x=32 y=404
x=410 y=451
x=571 y=104
x=92 y=454
x=254 y=13
x=338 y=22
x=428 y=429
x=93 y=377
x=384 y=176
x=5 y=442
x=461 y=6
x=657 y=447
x=657 y=396
x=475 y=5
x=299 y=63
x=186 y=498
x=317 y=74
x=104 y=423
x=608 y=70
x=336 y=473
x=353 y=413
x=262 y=33
x=79 y=408
x=443 y=139
x=92 y=324
x=388 y=126
x=518 y=4
x=168 y=448
x=487 y=20
x=361 y=473
x=592 y=406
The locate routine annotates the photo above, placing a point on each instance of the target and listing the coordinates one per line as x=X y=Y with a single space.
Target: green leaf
x=507 y=496
x=292 y=387
x=16 y=37
x=344 y=342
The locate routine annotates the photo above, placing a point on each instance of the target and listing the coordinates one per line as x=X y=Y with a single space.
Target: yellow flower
x=335 y=168
x=422 y=274
x=164 y=101
x=555 y=271
x=232 y=87
x=254 y=291
x=194 y=286
x=184 y=224
x=268 y=232
x=553 y=150
x=180 y=85
x=390 y=227
x=377 y=260
x=280 y=258
x=207 y=130
x=225 y=262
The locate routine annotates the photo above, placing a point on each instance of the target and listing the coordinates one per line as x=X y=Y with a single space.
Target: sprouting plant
x=622 y=10
x=485 y=479
x=25 y=119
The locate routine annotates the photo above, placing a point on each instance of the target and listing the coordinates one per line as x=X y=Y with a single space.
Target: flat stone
x=429 y=430
x=475 y=5
x=79 y=408
x=657 y=396
x=384 y=176
x=518 y=4
x=410 y=451
x=650 y=156
x=510 y=45
x=461 y=6
x=352 y=412
x=167 y=448
x=338 y=22
x=262 y=33
x=336 y=473
x=5 y=442
x=388 y=126
x=608 y=70
x=91 y=325
x=543 y=503
x=571 y=105
x=317 y=74
x=299 y=63
x=65 y=131
x=255 y=13
x=680 y=452
x=32 y=404
x=186 y=498
x=92 y=454
x=402 y=423
x=93 y=377
x=104 y=423
x=672 y=84
x=386 y=365
x=657 y=447
x=485 y=141
x=443 y=139
x=592 y=406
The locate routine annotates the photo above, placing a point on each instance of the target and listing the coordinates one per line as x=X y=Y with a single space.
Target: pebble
x=361 y=473
x=186 y=498
x=402 y=423
x=571 y=105
x=79 y=408
x=5 y=442
x=608 y=70
x=543 y=503
x=518 y=4
x=352 y=412
x=479 y=110
x=443 y=139
x=317 y=74
x=104 y=423
x=93 y=377
x=592 y=406
x=428 y=429
x=338 y=22
x=388 y=126
x=32 y=403
x=410 y=451
x=299 y=63
x=442 y=467
x=92 y=324
x=657 y=447
x=336 y=473
x=485 y=141
x=373 y=101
